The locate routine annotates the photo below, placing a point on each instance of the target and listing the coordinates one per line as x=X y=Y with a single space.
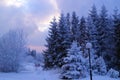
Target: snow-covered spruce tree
x=110 y=51
x=51 y=53
x=106 y=36
x=82 y=31
x=74 y=63
x=63 y=40
x=68 y=27
x=116 y=60
x=68 y=23
x=93 y=23
x=74 y=27
x=83 y=34
x=12 y=47
x=102 y=32
x=94 y=15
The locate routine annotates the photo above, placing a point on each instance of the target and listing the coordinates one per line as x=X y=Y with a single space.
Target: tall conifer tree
x=51 y=53
x=116 y=20
x=63 y=39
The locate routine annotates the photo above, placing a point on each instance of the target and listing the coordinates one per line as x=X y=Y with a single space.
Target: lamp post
x=89 y=46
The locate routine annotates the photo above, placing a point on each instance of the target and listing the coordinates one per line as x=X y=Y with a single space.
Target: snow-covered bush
x=12 y=46
x=100 y=67
x=113 y=73
x=93 y=60
x=74 y=63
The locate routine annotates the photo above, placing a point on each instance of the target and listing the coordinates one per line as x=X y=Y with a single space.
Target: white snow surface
x=100 y=78
x=32 y=73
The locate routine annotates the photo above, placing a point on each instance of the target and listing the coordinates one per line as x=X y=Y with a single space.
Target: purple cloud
x=34 y=15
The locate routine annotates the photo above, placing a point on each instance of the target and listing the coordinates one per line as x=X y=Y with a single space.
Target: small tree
x=74 y=63
x=12 y=46
x=100 y=66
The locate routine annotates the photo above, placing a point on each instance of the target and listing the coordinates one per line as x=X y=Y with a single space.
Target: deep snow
x=43 y=75
x=31 y=73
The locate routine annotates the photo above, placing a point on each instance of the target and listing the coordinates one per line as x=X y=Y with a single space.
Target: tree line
x=99 y=28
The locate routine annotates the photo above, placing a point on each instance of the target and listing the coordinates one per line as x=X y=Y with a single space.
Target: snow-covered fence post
x=89 y=46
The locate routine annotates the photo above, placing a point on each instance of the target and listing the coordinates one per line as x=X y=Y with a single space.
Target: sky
x=34 y=16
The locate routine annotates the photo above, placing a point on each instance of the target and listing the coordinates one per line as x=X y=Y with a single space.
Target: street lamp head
x=89 y=45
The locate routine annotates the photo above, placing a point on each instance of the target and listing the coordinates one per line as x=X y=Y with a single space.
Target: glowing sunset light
x=44 y=24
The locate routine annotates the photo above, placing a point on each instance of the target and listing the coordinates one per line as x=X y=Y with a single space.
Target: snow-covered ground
x=100 y=78
x=31 y=73
x=43 y=75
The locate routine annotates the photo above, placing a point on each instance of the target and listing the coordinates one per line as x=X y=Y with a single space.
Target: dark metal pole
x=90 y=64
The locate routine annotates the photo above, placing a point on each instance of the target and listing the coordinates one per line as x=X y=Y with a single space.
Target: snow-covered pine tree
x=91 y=30
x=74 y=63
x=98 y=26
x=94 y=15
x=116 y=60
x=100 y=66
x=83 y=34
x=74 y=26
x=68 y=27
x=50 y=53
x=63 y=40
x=68 y=23
x=102 y=32
x=110 y=51
x=93 y=23
x=106 y=36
